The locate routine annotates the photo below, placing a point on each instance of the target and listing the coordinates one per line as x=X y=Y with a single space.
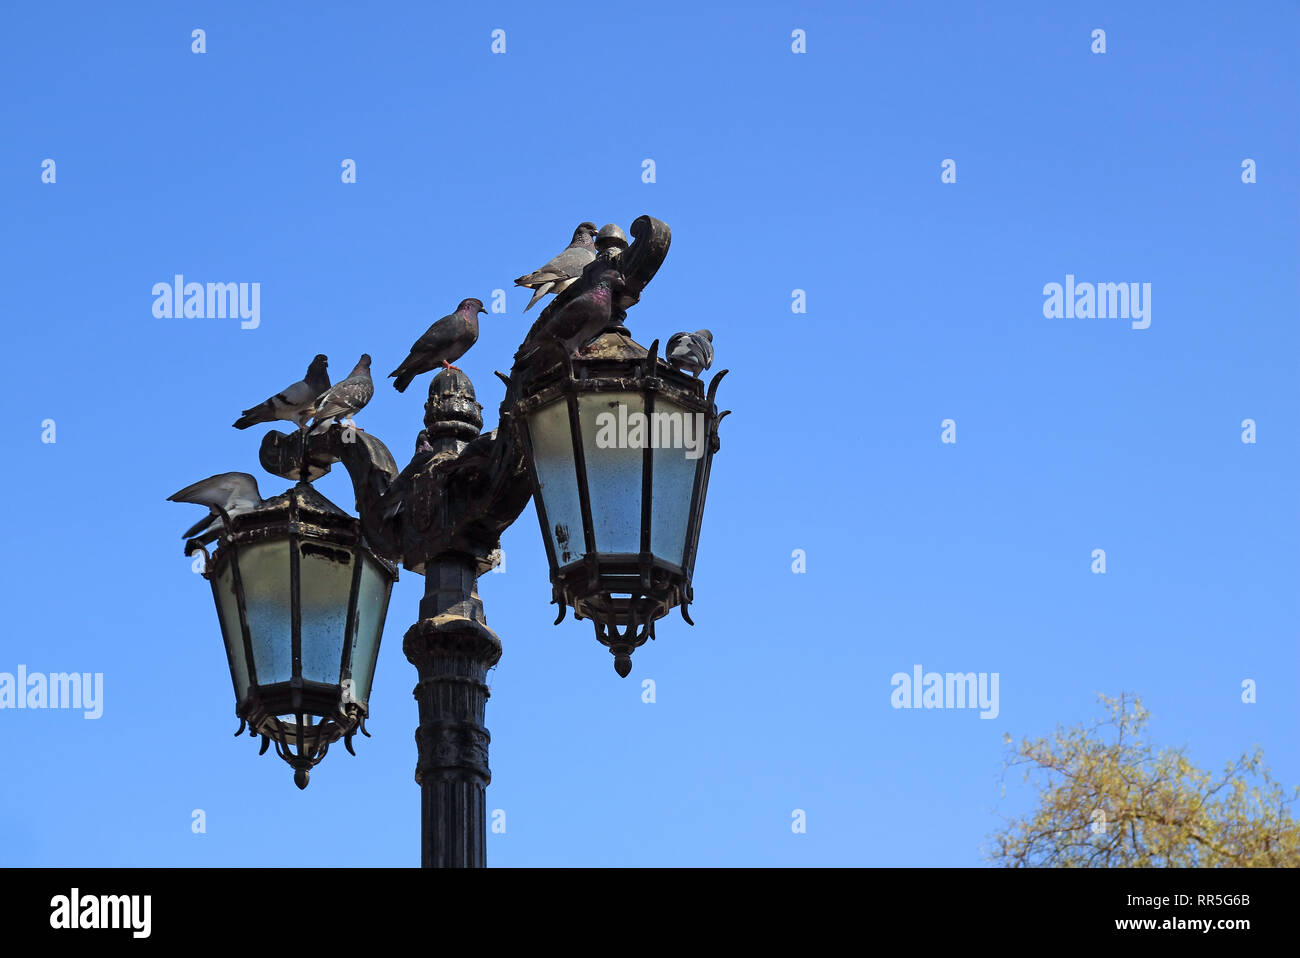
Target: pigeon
x=345 y=398
x=580 y=319
x=562 y=271
x=236 y=492
x=447 y=339
x=296 y=403
x=691 y=351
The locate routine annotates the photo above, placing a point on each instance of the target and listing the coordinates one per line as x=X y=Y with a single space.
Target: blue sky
x=777 y=171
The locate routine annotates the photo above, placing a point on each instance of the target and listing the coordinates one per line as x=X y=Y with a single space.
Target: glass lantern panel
x=678 y=441
x=614 y=437
x=548 y=431
x=372 y=606
x=325 y=582
x=228 y=608
x=264 y=570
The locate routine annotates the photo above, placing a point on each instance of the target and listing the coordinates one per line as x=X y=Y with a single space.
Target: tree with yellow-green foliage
x=1109 y=798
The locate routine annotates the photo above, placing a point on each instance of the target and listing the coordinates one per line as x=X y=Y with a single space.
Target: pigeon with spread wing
x=235 y=492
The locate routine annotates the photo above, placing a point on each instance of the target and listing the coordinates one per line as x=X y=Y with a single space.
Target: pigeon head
x=584 y=234
x=613 y=279
x=471 y=306
x=317 y=378
x=364 y=361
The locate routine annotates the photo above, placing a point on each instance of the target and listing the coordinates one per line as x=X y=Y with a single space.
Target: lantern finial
x=452 y=412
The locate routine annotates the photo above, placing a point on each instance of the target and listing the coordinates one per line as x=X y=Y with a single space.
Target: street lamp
x=302 y=600
x=614 y=446
x=619 y=445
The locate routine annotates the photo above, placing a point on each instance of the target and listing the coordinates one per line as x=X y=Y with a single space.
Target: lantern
x=619 y=446
x=302 y=600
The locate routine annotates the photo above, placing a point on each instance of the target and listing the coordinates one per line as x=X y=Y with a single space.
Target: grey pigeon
x=579 y=320
x=691 y=351
x=296 y=403
x=447 y=339
x=236 y=492
x=345 y=398
x=563 y=270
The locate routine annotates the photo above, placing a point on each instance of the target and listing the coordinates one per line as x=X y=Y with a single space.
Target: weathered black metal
x=452 y=649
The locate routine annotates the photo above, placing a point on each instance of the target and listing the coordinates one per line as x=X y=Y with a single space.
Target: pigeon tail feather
x=538 y=294
x=251 y=417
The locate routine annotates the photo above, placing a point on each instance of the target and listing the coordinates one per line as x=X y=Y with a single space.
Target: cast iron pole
x=452 y=649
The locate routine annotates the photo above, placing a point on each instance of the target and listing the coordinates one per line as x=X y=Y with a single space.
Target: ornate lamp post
x=619 y=509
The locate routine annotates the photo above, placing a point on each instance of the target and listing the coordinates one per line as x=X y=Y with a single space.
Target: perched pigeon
x=236 y=492
x=580 y=319
x=346 y=398
x=691 y=351
x=447 y=339
x=297 y=403
x=562 y=270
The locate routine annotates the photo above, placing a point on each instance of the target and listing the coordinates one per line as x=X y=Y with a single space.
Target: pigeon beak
x=482 y=310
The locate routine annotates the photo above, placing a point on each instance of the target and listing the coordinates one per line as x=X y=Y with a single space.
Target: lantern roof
x=308 y=502
x=616 y=343
x=298 y=510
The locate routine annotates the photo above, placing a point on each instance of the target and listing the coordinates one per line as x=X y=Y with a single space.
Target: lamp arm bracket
x=370 y=466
